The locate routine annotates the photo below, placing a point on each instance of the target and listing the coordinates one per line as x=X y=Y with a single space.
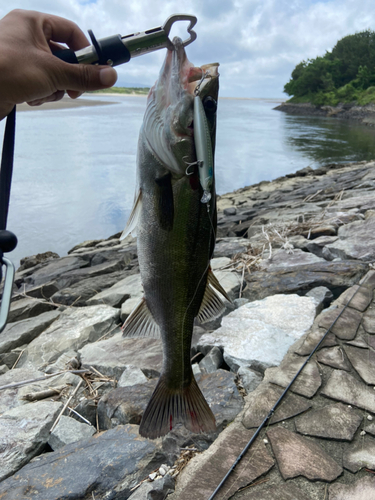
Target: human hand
x=28 y=70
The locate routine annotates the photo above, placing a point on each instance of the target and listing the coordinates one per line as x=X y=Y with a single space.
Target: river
x=74 y=172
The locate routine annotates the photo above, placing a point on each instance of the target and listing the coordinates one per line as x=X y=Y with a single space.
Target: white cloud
x=257 y=42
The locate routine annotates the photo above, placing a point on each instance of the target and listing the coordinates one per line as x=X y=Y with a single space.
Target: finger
x=56 y=96
x=74 y=94
x=84 y=77
x=62 y=30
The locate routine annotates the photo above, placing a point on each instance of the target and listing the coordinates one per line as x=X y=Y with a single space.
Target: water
x=74 y=173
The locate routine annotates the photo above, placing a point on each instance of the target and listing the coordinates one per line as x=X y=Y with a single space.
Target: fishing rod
x=112 y=51
x=272 y=411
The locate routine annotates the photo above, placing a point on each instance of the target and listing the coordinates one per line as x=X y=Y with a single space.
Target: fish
x=174 y=218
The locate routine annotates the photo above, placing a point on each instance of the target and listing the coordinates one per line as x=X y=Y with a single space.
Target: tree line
x=346 y=74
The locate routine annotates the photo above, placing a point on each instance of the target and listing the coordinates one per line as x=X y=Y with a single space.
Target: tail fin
x=167 y=407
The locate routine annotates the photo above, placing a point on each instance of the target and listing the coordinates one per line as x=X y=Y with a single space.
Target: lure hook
x=204 y=76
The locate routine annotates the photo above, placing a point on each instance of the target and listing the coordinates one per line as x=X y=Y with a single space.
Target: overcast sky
x=257 y=42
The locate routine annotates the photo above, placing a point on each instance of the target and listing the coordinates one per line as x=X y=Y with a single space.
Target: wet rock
x=261 y=401
x=353 y=242
x=362 y=489
x=335 y=357
x=259 y=333
x=345 y=388
x=24 y=431
x=109 y=464
x=112 y=356
x=114 y=296
x=333 y=275
x=73 y=329
x=24 y=331
x=212 y=361
x=297 y=456
x=335 y=421
x=363 y=360
x=68 y=430
x=360 y=454
x=28 y=308
x=358 y=297
x=308 y=381
x=346 y=326
x=132 y=375
x=250 y=379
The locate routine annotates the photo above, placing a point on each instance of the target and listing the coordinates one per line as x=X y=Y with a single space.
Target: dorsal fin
x=140 y=323
x=131 y=225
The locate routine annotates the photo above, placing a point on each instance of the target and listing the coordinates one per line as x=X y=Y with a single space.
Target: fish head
x=168 y=123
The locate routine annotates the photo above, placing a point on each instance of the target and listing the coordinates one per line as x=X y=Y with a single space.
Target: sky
x=257 y=42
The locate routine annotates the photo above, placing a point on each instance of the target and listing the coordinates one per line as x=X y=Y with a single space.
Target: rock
x=333 y=275
x=54 y=269
x=44 y=291
x=358 y=297
x=312 y=339
x=345 y=388
x=369 y=321
x=72 y=330
x=87 y=409
x=3 y=369
x=363 y=361
x=228 y=247
x=335 y=357
x=250 y=379
x=347 y=324
x=24 y=432
x=128 y=306
x=287 y=491
x=114 y=296
x=297 y=456
x=322 y=296
x=28 y=308
x=259 y=333
x=9 y=397
x=155 y=490
x=362 y=489
x=335 y=421
x=282 y=259
x=68 y=430
x=106 y=465
x=24 y=331
x=359 y=455
x=62 y=363
x=230 y=281
x=112 y=356
x=131 y=376
x=260 y=402
x=308 y=381
x=353 y=242
x=316 y=246
x=34 y=260
x=230 y=211
x=84 y=244
x=212 y=361
x=124 y=405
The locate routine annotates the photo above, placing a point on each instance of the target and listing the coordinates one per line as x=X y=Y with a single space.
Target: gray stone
x=308 y=381
x=261 y=401
x=44 y=291
x=72 y=330
x=335 y=357
x=9 y=397
x=360 y=454
x=260 y=333
x=363 y=361
x=24 y=432
x=54 y=269
x=112 y=356
x=3 y=369
x=128 y=306
x=346 y=326
x=283 y=259
x=132 y=375
x=316 y=246
x=114 y=296
x=220 y=263
x=63 y=362
x=312 y=339
x=230 y=281
x=358 y=297
x=363 y=489
x=228 y=247
x=326 y=254
x=369 y=321
x=106 y=465
x=287 y=491
x=322 y=296
x=369 y=280
x=297 y=456
x=212 y=361
x=24 y=331
x=250 y=379
x=154 y=490
x=345 y=388
x=68 y=430
x=353 y=242
x=335 y=421
x=28 y=308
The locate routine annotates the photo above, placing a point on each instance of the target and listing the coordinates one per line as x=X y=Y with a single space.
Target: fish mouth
x=169 y=115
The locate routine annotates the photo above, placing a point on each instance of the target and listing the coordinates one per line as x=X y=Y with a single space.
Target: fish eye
x=209 y=104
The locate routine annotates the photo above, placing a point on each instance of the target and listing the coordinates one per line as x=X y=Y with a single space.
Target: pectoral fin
x=140 y=323
x=131 y=225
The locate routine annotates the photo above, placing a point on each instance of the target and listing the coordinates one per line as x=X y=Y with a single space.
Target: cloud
x=257 y=42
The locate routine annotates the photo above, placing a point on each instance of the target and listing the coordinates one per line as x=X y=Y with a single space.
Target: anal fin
x=140 y=323
x=131 y=225
x=212 y=306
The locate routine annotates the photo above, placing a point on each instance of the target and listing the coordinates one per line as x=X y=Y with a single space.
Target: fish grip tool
x=117 y=49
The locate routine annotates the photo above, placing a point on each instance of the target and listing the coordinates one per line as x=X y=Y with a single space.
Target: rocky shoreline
x=360 y=114
x=287 y=253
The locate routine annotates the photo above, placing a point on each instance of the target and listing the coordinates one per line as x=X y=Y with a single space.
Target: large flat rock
x=260 y=333
x=297 y=456
x=335 y=357
x=363 y=489
x=353 y=242
x=131 y=286
x=288 y=491
x=107 y=465
x=55 y=268
x=9 y=398
x=363 y=361
x=359 y=297
x=347 y=324
x=360 y=454
x=28 y=308
x=72 y=330
x=24 y=431
x=283 y=259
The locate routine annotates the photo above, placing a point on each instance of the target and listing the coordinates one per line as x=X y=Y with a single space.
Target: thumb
x=84 y=77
